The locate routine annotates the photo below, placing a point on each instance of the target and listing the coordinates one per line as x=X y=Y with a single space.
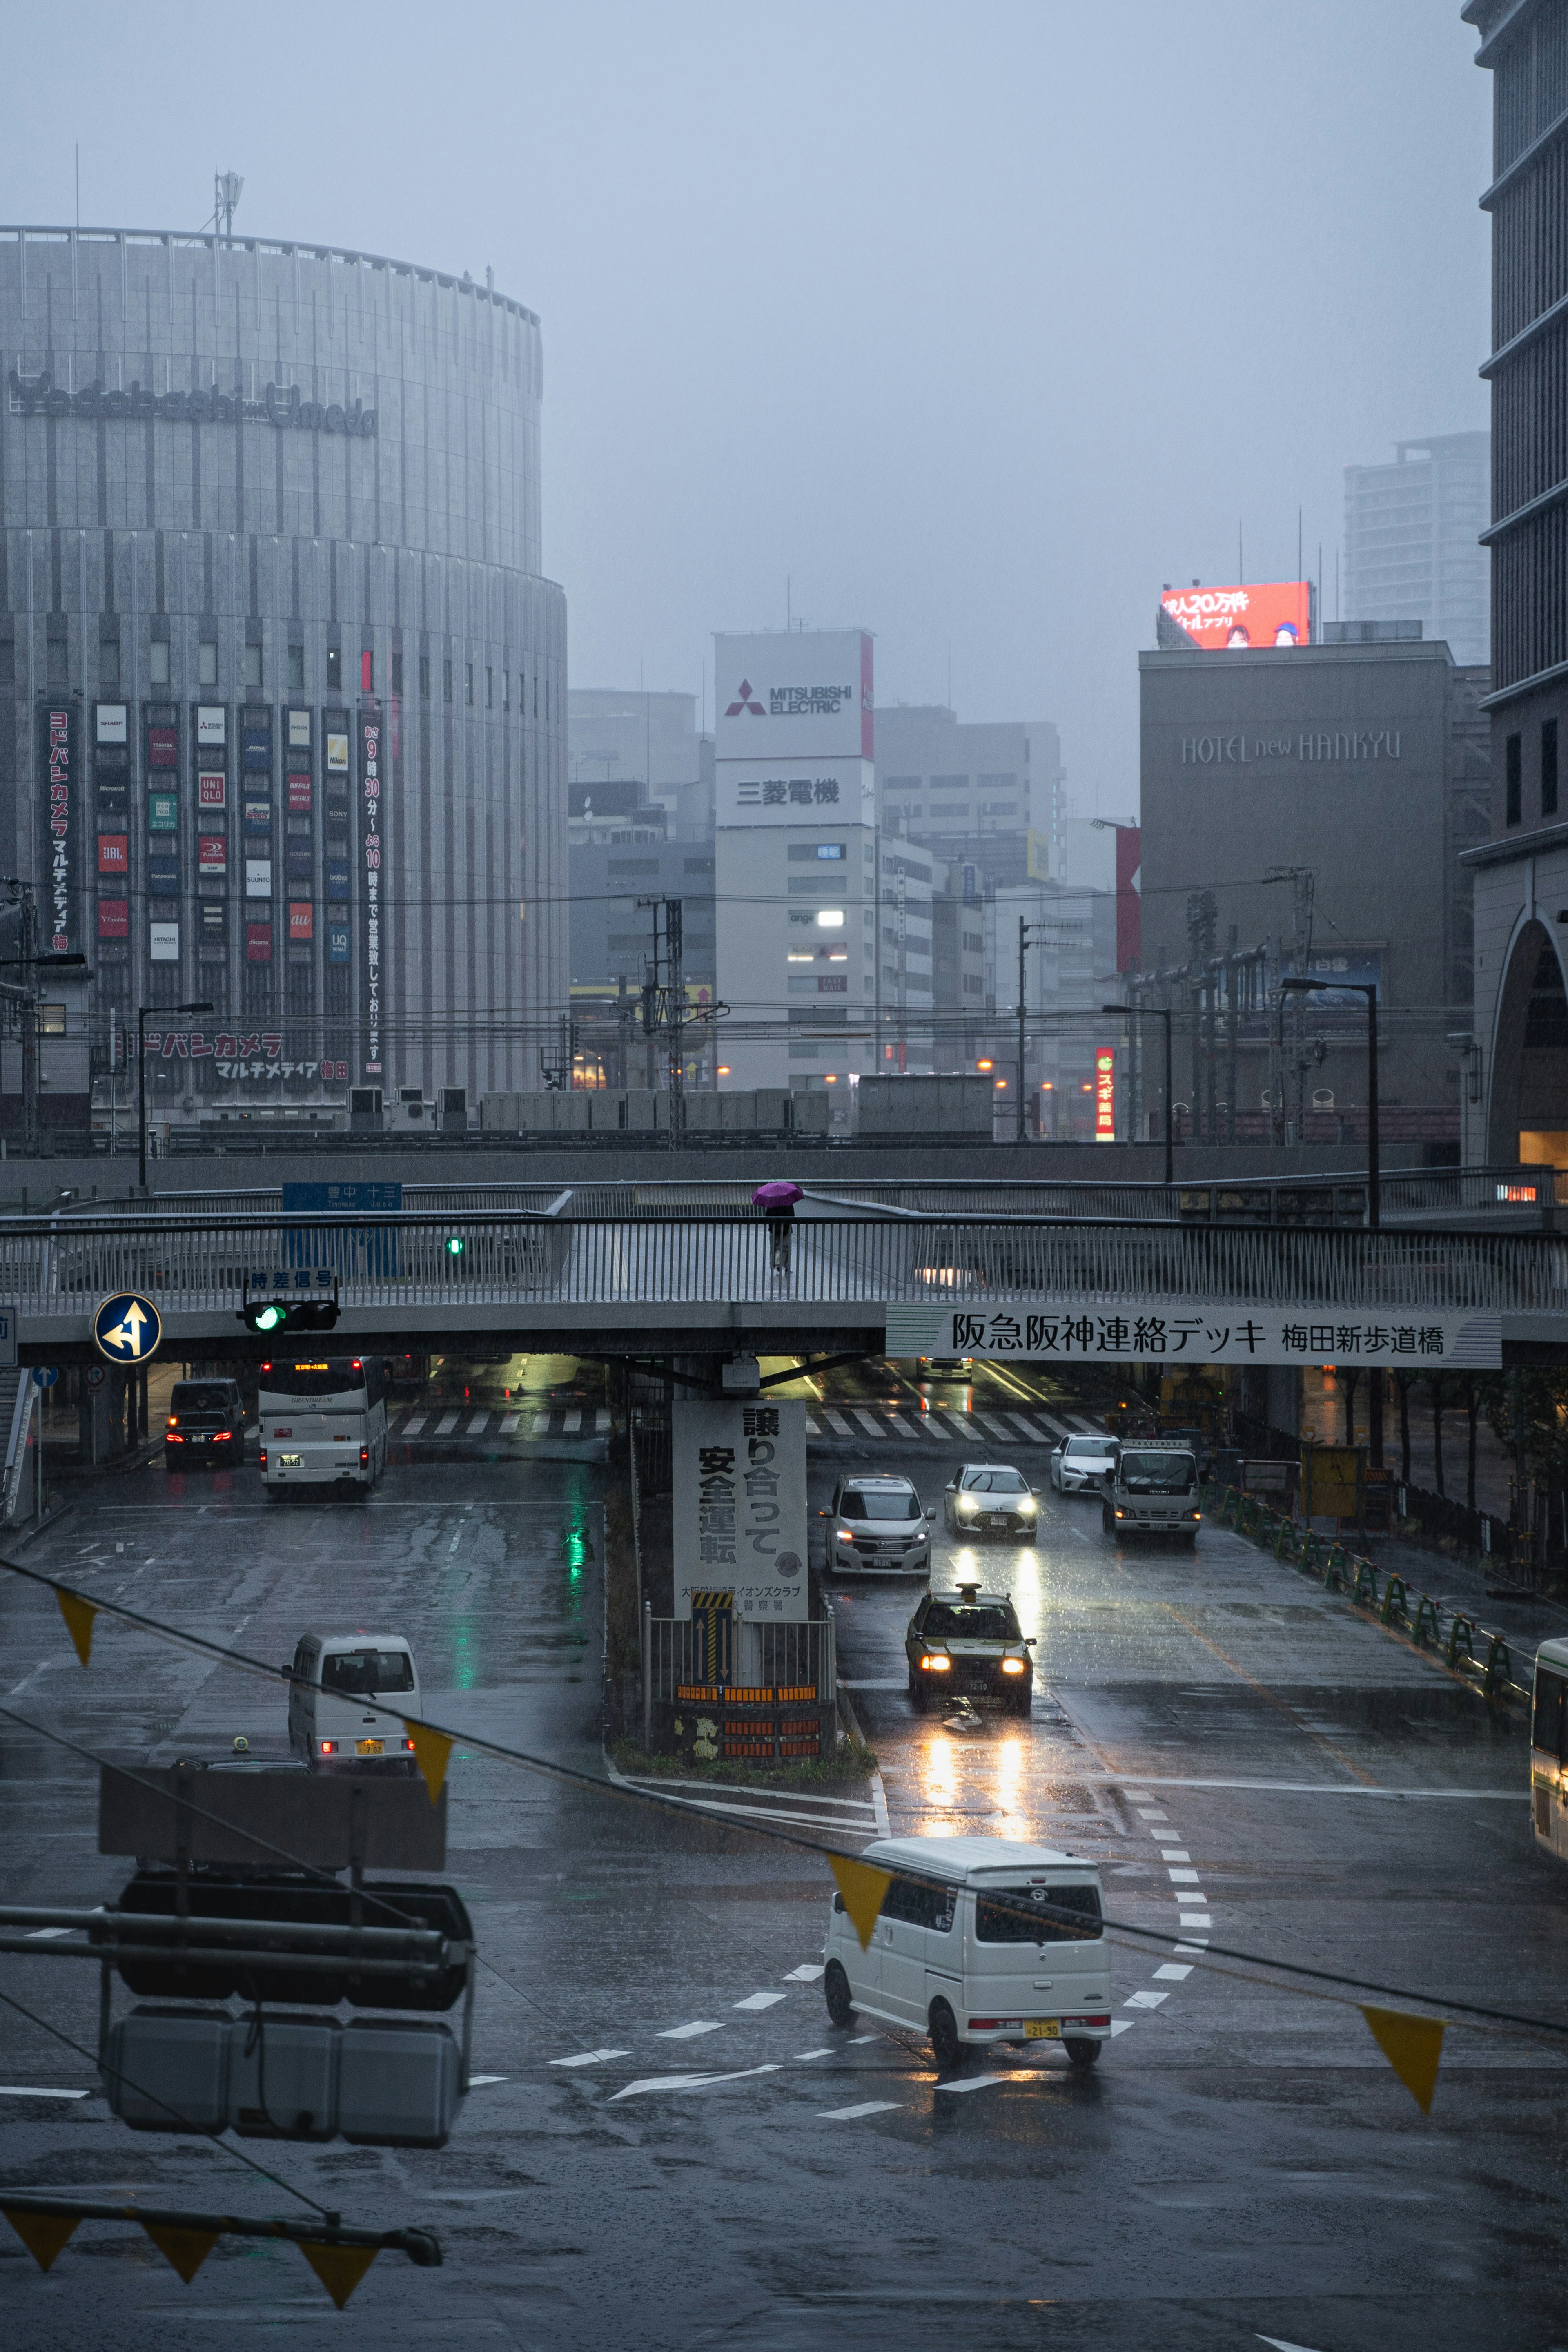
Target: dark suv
x=205 y=1424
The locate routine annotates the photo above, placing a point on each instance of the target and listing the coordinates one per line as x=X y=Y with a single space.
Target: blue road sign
x=45 y=1376
x=126 y=1329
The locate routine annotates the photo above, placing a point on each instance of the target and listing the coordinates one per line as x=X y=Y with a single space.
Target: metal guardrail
x=468 y=1264
x=772 y=1673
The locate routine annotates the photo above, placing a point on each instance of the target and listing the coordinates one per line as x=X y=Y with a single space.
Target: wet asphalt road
x=1242 y=2166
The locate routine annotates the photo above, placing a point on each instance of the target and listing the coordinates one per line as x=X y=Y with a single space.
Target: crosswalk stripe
x=1057 y=1428
x=837 y=1421
x=866 y=1421
x=1035 y=1436
x=958 y=1426
x=541 y=1423
x=813 y=1428
x=480 y=1421
x=1087 y=1428
x=445 y=1427
x=899 y=1427
x=571 y=1425
x=989 y=1421
x=414 y=1424
x=922 y=1421
x=509 y=1422
x=601 y=1418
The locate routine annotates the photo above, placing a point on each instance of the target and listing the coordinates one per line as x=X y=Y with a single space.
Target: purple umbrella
x=780 y=1194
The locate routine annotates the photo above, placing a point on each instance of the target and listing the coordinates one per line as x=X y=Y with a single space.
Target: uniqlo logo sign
x=1105 y=1094
x=210 y=791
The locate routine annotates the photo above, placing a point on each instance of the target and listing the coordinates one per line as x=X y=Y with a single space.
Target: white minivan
x=331 y=1723
x=980 y=1941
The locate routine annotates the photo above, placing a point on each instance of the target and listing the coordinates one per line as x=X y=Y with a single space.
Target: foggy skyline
x=975 y=328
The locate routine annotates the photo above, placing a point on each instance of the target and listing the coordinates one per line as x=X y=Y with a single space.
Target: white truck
x=1152 y=1489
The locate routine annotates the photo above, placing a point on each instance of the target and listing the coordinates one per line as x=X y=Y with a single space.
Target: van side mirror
x=931 y=1511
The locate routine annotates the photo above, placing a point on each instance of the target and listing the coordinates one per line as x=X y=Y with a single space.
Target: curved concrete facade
x=282 y=691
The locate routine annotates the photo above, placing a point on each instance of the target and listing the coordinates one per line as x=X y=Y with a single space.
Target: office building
x=1516 y=1062
x=982 y=795
x=795 y=851
x=1413 y=541
x=620 y=736
x=1355 y=776
x=282 y=688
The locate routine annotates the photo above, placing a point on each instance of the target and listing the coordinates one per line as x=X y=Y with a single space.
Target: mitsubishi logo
x=745 y=703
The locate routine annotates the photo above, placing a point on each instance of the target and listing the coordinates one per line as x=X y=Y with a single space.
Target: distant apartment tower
x=1412 y=542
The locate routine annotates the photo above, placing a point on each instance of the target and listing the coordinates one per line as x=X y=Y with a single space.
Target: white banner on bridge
x=739 y=1471
x=1240 y=1332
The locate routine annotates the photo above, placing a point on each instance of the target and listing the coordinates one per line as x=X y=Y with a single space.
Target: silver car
x=1082 y=1461
x=876 y=1522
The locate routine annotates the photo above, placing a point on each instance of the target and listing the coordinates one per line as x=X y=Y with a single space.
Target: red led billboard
x=1236 y=620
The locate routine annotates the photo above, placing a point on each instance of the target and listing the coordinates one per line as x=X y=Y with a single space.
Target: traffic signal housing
x=272 y=1315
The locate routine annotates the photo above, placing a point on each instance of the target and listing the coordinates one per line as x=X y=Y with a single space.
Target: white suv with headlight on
x=990 y=1498
x=876 y=1523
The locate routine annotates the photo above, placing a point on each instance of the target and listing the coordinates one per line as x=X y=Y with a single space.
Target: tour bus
x=1548 y=1749
x=323 y=1424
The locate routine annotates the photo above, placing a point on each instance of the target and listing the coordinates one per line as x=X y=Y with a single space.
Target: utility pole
x=665 y=1008
x=29 y=1024
x=1026 y=932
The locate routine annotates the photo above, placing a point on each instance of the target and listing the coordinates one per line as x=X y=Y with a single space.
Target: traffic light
x=455 y=1244
x=269 y=1315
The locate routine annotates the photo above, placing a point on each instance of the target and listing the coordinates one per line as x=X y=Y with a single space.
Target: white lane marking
x=1151 y=1814
x=1330 y=1789
x=960 y=1425
x=801 y=2055
x=895 y=1681
x=1136 y=1796
x=685 y=2082
x=807 y=1973
x=879 y=1806
x=1144 y=1999
x=480 y=1421
x=444 y=1426
x=687 y=2032
x=866 y=1421
x=1183 y=1877
x=920 y=1425
x=855 y=2039
x=759 y=2000
x=1172 y=1971
x=1279 y=2344
x=1086 y=1428
x=1195 y=1919
x=1056 y=1427
x=1122 y=2025
x=974 y=2082
x=541 y=1423
x=590 y=2057
x=46 y=1935
x=997 y=1428
x=903 y=1428
x=1201 y=1945
x=477 y=2082
x=848 y=2114
x=509 y=1422
x=1034 y=1437
x=836 y=1421
x=414 y=1424
x=601 y=1418
x=813 y=1428
x=36 y=2090
x=1175 y=1854
x=740 y=1788
x=572 y=1422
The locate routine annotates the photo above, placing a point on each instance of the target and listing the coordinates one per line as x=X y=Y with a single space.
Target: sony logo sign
x=280 y=404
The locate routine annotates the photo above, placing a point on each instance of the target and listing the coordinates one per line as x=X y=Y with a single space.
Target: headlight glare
x=936 y=1666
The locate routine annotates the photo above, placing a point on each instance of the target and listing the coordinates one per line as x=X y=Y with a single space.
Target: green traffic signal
x=270 y=1317
x=455 y=1244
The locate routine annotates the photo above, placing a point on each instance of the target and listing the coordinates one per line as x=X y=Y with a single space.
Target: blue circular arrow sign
x=127 y=1328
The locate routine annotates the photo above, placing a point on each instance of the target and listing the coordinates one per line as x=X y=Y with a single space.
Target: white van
x=330 y=1726
x=994 y=1941
x=1548 y=1749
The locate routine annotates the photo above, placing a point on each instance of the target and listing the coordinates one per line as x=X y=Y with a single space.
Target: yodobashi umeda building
x=282 y=690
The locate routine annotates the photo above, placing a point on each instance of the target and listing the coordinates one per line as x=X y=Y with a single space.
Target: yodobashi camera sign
x=797 y=694
x=739 y=1520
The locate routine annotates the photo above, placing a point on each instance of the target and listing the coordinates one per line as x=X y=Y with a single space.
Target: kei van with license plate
x=980 y=1942
x=347 y=1696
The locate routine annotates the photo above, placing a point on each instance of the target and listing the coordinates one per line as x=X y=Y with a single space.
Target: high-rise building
x=1517 y=1059
x=282 y=688
x=1413 y=546
x=989 y=794
x=624 y=735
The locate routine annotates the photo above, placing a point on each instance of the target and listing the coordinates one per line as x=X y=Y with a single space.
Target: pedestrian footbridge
x=700 y=1275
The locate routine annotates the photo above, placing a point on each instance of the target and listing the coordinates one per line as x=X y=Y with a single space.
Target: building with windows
x=1413 y=545
x=988 y=794
x=624 y=737
x=1517 y=1060
x=282 y=688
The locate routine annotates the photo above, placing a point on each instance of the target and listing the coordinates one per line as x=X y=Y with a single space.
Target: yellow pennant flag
x=432 y=1750
x=862 y=1887
x=184 y=2250
x=1412 y=2045
x=339 y=2268
x=43 y=2234
x=79 y=1615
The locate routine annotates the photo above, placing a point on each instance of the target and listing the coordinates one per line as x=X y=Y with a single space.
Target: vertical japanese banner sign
x=373 y=842
x=58 y=754
x=739 y=1475
x=1104 y=1094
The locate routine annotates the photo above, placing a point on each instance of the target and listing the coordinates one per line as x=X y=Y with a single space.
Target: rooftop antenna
x=227 y=187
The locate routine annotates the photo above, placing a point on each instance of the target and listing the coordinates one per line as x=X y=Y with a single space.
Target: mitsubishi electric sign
x=798 y=695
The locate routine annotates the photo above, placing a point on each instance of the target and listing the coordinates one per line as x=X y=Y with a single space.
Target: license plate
x=1043 y=2029
x=290 y=1461
x=992 y=1520
x=377 y=1748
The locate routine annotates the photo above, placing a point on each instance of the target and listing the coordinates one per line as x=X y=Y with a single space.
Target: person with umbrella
x=776 y=1202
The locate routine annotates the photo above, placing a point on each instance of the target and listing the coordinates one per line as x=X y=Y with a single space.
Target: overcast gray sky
x=979 y=322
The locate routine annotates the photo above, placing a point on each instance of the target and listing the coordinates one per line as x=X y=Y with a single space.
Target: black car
x=969 y=1643
x=205 y=1425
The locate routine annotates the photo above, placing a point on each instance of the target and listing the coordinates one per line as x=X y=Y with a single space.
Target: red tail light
x=364 y=1458
x=264 y=1457
x=328 y=1747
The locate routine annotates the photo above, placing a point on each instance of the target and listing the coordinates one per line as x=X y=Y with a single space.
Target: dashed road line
x=689 y=2032
x=973 y=2083
x=590 y=2057
x=37 y=2091
x=685 y=2083
x=866 y=2107
x=759 y=2000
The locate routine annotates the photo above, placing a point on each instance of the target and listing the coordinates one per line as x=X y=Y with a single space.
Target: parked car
x=876 y=1522
x=990 y=1498
x=965 y=1644
x=205 y=1425
x=1082 y=1462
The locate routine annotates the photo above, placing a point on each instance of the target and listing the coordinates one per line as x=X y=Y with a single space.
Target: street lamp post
x=141 y=1012
x=1367 y=988
x=1161 y=1012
